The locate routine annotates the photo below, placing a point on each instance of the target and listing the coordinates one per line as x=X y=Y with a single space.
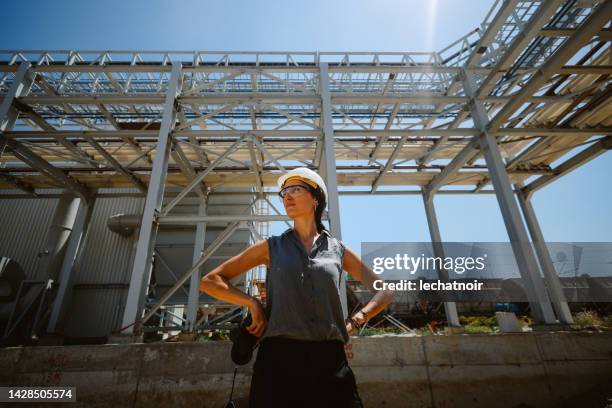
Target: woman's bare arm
x=361 y=272
x=217 y=283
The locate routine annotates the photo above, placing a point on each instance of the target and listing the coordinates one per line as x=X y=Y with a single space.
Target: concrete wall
x=509 y=370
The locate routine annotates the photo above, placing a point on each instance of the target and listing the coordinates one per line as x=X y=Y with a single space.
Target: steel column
x=194 y=283
x=523 y=252
x=450 y=308
x=550 y=275
x=329 y=161
x=328 y=152
x=155 y=193
x=76 y=243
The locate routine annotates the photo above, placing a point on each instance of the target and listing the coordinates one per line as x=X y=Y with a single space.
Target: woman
x=301 y=359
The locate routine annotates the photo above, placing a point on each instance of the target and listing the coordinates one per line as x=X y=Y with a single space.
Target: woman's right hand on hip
x=258 y=314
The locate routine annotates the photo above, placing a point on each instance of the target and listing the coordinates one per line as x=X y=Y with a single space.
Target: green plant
x=372 y=331
x=470 y=329
x=478 y=321
x=587 y=318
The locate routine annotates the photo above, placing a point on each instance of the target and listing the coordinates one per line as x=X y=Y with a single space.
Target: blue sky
x=574 y=208
x=381 y=25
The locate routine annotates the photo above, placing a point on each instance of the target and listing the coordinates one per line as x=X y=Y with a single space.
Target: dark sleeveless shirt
x=303 y=290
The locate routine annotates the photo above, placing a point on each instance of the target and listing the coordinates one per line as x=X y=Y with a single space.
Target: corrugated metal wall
x=102 y=273
x=23 y=228
x=94 y=312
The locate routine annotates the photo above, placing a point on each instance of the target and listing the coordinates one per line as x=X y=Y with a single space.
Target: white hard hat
x=307 y=175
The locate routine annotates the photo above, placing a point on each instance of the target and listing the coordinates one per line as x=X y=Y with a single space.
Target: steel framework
x=499 y=107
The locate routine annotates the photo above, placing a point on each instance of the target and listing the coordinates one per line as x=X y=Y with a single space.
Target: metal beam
x=176 y=220
x=19 y=86
x=523 y=252
x=193 y=299
x=221 y=238
x=186 y=167
x=329 y=164
x=148 y=228
x=588 y=154
x=130 y=142
x=30 y=78
x=232 y=101
x=518 y=44
x=605 y=34
x=42 y=194
x=582 y=35
x=546 y=142
x=589 y=27
x=550 y=275
x=389 y=164
x=329 y=161
x=450 y=308
x=439 y=144
x=489 y=35
x=79 y=155
x=231 y=134
x=116 y=165
x=458 y=162
x=198 y=179
x=74 y=250
x=8 y=117
x=256 y=168
x=383 y=138
x=158 y=67
x=27 y=156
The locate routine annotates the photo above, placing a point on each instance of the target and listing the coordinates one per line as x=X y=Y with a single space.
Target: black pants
x=301 y=373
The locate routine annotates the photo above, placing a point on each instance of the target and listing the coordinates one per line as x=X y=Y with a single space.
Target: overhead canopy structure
x=498 y=107
x=398 y=118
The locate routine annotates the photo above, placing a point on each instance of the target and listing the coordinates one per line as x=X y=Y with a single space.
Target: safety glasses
x=292 y=190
